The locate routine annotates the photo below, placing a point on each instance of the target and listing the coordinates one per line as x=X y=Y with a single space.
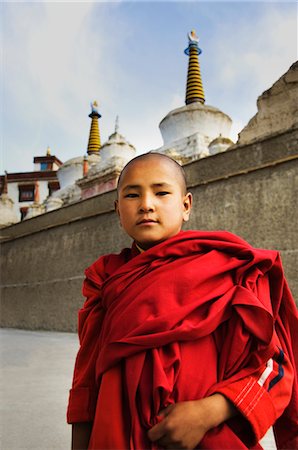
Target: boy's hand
x=184 y=424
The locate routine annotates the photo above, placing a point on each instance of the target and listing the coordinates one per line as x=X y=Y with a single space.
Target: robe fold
x=200 y=313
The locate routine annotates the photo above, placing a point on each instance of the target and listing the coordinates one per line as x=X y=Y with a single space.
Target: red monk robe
x=200 y=313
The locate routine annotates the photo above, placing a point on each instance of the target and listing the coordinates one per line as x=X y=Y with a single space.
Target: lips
x=146 y=221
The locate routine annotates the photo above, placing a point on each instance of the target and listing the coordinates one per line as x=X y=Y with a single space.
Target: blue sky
x=57 y=57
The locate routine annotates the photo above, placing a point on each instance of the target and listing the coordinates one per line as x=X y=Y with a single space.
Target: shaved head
x=152 y=202
x=178 y=171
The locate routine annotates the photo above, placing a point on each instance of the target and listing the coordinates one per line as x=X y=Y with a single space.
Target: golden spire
x=194 y=86
x=94 y=137
x=48 y=151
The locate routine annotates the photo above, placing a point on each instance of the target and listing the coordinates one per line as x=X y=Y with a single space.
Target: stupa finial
x=194 y=86
x=117 y=124
x=94 y=136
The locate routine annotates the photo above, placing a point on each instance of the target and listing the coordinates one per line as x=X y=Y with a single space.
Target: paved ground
x=36 y=372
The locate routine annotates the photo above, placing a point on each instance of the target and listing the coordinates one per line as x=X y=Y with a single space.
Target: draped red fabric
x=167 y=316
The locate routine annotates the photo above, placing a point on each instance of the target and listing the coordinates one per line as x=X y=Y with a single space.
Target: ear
x=187 y=205
x=116 y=206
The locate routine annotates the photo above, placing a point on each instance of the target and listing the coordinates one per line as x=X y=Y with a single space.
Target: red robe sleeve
x=262 y=397
x=83 y=394
x=268 y=397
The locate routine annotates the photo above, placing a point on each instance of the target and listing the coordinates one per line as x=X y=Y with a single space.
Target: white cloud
x=60 y=56
x=258 y=53
x=250 y=55
x=55 y=63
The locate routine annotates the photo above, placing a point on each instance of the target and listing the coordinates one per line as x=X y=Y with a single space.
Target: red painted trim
x=50 y=159
x=30 y=176
x=54 y=184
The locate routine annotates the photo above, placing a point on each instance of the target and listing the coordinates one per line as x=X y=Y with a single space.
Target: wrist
x=219 y=410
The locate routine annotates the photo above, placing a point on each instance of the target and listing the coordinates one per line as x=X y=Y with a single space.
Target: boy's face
x=152 y=204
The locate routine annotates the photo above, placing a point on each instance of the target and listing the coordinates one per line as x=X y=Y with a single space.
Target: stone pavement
x=36 y=374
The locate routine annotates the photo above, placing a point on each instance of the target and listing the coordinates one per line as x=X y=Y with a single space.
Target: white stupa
x=73 y=169
x=188 y=131
x=7 y=213
x=103 y=176
x=116 y=152
x=219 y=145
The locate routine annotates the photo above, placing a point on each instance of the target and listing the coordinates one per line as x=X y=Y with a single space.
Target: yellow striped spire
x=194 y=86
x=94 y=137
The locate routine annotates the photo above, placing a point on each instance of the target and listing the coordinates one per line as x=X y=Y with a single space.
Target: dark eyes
x=130 y=195
x=159 y=194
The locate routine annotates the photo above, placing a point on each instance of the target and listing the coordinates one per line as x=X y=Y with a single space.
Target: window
x=53 y=186
x=26 y=193
x=45 y=166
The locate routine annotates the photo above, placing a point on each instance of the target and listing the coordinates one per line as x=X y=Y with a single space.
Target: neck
x=139 y=248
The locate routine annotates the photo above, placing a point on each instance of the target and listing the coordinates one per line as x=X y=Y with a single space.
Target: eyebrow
x=154 y=185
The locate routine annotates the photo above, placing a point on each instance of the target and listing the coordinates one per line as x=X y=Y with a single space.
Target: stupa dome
x=114 y=153
x=220 y=144
x=116 y=146
x=72 y=169
x=196 y=117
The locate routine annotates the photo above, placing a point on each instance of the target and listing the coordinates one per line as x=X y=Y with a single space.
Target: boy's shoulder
x=222 y=239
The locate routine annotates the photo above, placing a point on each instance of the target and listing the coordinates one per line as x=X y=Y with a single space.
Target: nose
x=146 y=203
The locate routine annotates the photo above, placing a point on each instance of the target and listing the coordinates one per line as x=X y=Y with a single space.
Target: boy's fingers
x=165 y=412
x=156 y=432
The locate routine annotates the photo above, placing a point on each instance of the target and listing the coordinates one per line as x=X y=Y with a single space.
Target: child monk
x=186 y=338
